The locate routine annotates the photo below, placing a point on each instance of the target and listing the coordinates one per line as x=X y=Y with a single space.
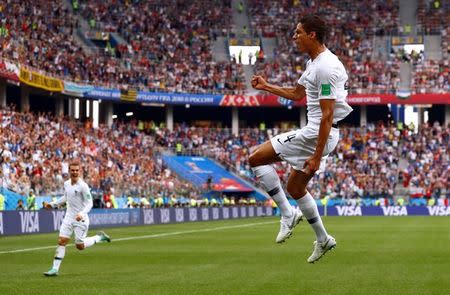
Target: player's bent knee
x=254 y=148
x=296 y=192
x=62 y=241
x=80 y=246
x=253 y=159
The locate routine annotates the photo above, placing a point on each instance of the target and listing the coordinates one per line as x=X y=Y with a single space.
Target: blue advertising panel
x=152 y=97
x=45 y=221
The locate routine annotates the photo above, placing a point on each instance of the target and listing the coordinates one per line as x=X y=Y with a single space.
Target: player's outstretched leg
x=297 y=188
x=98 y=238
x=104 y=237
x=270 y=182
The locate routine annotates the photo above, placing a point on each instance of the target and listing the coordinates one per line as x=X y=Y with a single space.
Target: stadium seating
x=364 y=165
x=170 y=51
x=352 y=26
x=432 y=16
x=432 y=76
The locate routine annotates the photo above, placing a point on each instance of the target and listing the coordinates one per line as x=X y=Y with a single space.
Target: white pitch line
x=151 y=236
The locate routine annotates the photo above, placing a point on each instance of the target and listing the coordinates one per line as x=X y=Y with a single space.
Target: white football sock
x=271 y=183
x=59 y=256
x=89 y=241
x=311 y=213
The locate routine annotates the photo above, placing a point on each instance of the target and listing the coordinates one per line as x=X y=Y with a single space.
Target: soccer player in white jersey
x=306 y=149
x=78 y=198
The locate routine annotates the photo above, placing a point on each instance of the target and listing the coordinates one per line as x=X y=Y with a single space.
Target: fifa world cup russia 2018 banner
x=179 y=98
x=38 y=80
x=252 y=100
x=263 y=100
x=154 y=97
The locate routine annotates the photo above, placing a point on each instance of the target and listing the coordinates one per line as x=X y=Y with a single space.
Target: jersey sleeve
x=327 y=82
x=59 y=202
x=87 y=193
x=87 y=201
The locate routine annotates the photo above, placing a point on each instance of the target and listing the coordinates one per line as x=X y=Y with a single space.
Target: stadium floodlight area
x=245 y=52
x=416 y=47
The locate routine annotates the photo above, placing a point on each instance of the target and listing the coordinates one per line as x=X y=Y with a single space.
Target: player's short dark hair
x=313 y=23
x=74 y=163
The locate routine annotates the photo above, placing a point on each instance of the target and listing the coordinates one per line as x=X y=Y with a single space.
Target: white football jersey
x=325 y=78
x=77 y=197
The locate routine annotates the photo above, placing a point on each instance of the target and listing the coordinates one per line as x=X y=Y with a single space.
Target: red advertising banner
x=230 y=100
x=382 y=99
x=264 y=100
x=256 y=100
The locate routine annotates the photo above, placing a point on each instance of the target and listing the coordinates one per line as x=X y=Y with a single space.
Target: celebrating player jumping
x=306 y=149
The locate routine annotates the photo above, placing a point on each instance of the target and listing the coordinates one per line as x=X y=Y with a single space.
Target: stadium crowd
x=369 y=162
x=170 y=51
x=167 y=52
x=351 y=28
x=37 y=149
x=430 y=75
x=432 y=16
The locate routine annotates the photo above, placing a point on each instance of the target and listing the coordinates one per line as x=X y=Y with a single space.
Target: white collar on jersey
x=320 y=54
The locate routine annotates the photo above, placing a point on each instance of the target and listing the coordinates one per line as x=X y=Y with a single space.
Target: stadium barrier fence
x=385 y=211
x=45 y=221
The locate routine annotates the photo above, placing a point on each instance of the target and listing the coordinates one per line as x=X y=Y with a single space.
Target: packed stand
x=376 y=161
x=168 y=52
x=352 y=26
x=431 y=76
x=366 y=163
x=37 y=149
x=432 y=16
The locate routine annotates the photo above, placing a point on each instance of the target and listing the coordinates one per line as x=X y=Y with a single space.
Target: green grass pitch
x=374 y=255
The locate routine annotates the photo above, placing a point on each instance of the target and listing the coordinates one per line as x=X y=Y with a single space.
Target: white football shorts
x=70 y=226
x=296 y=146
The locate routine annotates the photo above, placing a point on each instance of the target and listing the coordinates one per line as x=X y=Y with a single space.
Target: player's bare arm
x=291 y=93
x=52 y=205
x=327 y=107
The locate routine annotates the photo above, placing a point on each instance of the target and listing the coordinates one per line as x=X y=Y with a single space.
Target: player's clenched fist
x=47 y=205
x=258 y=82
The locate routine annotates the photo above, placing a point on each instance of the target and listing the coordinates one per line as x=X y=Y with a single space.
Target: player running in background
x=306 y=149
x=79 y=202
